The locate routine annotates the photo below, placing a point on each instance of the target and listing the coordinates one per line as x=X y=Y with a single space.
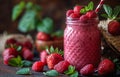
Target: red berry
x=74 y=15
x=43 y=36
x=27 y=54
x=106 y=67
x=10 y=51
x=11 y=41
x=77 y=9
x=38 y=66
x=114 y=27
x=91 y=14
x=28 y=45
x=7 y=58
x=62 y=66
x=43 y=56
x=84 y=18
x=87 y=70
x=69 y=12
x=53 y=59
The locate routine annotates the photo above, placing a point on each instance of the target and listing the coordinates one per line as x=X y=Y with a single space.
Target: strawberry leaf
x=58 y=33
x=105 y=15
x=23 y=71
x=51 y=73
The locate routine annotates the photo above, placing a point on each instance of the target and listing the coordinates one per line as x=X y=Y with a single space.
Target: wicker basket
x=112 y=41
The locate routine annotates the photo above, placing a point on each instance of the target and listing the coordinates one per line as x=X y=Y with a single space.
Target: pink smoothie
x=82 y=43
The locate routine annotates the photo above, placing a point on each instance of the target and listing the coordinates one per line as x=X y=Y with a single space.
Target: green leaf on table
x=58 y=33
x=71 y=70
x=26 y=63
x=108 y=10
x=75 y=74
x=27 y=23
x=51 y=73
x=87 y=8
x=16 y=62
x=46 y=26
x=23 y=71
x=17 y=10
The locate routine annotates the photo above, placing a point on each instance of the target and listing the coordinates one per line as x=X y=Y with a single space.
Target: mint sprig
x=71 y=71
x=24 y=71
x=16 y=62
x=87 y=8
x=111 y=13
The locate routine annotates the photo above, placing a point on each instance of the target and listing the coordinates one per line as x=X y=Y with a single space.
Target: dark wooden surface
x=8 y=71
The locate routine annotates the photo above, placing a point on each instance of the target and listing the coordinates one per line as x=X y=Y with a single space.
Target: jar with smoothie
x=82 y=39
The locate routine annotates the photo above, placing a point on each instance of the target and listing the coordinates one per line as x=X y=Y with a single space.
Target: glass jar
x=82 y=42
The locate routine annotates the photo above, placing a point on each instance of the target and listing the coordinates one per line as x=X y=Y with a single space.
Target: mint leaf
x=104 y=15
x=90 y=6
x=23 y=71
x=71 y=70
x=16 y=62
x=108 y=10
x=46 y=26
x=27 y=23
x=87 y=8
x=26 y=63
x=29 y=5
x=51 y=73
x=75 y=74
x=116 y=12
x=17 y=10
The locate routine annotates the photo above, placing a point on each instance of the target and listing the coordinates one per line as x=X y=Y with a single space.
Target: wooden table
x=8 y=71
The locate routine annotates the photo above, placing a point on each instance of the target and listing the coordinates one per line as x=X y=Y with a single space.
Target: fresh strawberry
x=77 y=9
x=7 y=58
x=84 y=18
x=11 y=41
x=53 y=59
x=114 y=27
x=69 y=12
x=27 y=54
x=62 y=66
x=91 y=14
x=38 y=66
x=10 y=51
x=43 y=56
x=74 y=15
x=106 y=67
x=43 y=36
x=87 y=70
x=28 y=45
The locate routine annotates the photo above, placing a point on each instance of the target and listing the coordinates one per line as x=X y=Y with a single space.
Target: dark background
x=53 y=8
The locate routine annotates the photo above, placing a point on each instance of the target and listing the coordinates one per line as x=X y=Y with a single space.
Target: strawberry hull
x=82 y=43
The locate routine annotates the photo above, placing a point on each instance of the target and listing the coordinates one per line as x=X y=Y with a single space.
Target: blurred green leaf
x=46 y=26
x=17 y=10
x=27 y=23
x=58 y=33
x=23 y=71
x=29 y=5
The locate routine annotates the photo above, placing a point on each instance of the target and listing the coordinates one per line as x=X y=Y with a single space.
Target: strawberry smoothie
x=82 y=42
